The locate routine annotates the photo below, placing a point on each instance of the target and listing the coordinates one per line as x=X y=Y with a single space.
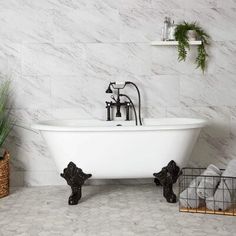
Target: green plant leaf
x=183 y=44
x=6 y=122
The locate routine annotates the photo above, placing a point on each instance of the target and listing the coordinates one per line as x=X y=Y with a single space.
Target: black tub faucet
x=118 y=104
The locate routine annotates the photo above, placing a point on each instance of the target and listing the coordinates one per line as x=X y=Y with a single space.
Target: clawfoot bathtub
x=114 y=150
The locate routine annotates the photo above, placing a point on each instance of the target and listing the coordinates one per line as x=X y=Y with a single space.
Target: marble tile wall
x=61 y=54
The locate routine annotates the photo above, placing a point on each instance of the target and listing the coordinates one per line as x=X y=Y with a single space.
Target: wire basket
x=219 y=193
x=4 y=175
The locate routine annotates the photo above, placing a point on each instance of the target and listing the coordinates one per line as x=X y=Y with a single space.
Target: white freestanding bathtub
x=109 y=151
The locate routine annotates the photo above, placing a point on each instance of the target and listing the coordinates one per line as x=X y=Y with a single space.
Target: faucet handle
x=127 y=104
x=108 y=104
x=113 y=98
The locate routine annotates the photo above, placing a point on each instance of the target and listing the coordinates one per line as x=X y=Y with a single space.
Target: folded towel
x=189 y=198
x=207 y=186
x=225 y=192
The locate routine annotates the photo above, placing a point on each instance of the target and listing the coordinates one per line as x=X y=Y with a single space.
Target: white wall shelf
x=173 y=43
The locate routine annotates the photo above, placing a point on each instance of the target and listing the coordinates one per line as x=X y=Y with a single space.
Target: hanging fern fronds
x=201 y=57
x=182 y=38
x=182 y=52
x=183 y=43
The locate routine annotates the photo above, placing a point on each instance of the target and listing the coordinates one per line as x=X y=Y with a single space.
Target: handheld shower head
x=109 y=90
x=115 y=85
x=119 y=85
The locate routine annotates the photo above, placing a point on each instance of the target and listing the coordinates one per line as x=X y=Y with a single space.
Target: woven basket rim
x=6 y=157
x=4 y=179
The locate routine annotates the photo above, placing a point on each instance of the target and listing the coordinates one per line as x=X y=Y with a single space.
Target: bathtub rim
x=46 y=126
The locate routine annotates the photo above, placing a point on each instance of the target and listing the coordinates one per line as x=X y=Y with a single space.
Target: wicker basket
x=199 y=205
x=4 y=175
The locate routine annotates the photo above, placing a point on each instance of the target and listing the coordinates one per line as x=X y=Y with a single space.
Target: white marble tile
x=106 y=59
x=86 y=25
x=208 y=90
x=106 y=4
x=168 y=5
x=33 y=92
x=226 y=4
x=29 y=151
x=10 y=59
x=124 y=4
x=118 y=59
x=137 y=25
x=194 y=91
x=28 y=4
x=68 y=91
x=65 y=5
x=220 y=52
x=49 y=59
x=144 y=24
x=25 y=25
x=62 y=5
x=153 y=112
x=139 y=61
x=160 y=91
x=199 y=4
x=220 y=22
x=71 y=91
x=211 y=151
x=26 y=117
x=74 y=113
x=165 y=61
x=218 y=119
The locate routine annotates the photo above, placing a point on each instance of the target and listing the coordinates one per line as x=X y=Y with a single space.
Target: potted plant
x=182 y=33
x=6 y=125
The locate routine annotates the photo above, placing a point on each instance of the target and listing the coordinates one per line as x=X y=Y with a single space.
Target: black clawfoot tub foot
x=75 y=178
x=157 y=182
x=167 y=177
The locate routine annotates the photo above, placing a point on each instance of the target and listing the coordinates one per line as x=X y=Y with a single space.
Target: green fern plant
x=6 y=123
x=183 y=43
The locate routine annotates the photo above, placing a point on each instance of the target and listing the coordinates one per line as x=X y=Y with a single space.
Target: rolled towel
x=207 y=186
x=189 y=198
x=225 y=193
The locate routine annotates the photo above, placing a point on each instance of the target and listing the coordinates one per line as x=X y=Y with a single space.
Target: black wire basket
x=206 y=194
